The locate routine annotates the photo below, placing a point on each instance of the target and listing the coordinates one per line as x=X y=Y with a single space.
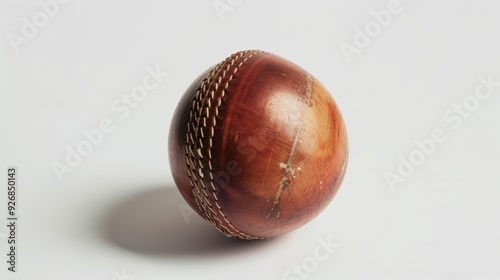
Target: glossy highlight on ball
x=257 y=146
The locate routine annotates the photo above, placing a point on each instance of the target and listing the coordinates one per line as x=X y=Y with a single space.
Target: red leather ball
x=257 y=146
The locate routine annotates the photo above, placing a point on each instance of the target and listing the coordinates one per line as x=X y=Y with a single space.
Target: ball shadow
x=153 y=223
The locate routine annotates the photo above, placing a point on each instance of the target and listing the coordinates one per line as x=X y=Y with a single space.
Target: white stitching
x=195 y=116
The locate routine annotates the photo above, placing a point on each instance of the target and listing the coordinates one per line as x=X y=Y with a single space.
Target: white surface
x=120 y=209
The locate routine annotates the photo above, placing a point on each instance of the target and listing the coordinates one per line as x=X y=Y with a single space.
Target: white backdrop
x=416 y=82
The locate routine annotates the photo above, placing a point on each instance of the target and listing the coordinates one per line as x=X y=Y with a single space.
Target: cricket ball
x=257 y=146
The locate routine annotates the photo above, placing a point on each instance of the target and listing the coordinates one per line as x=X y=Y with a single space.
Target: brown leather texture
x=257 y=146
